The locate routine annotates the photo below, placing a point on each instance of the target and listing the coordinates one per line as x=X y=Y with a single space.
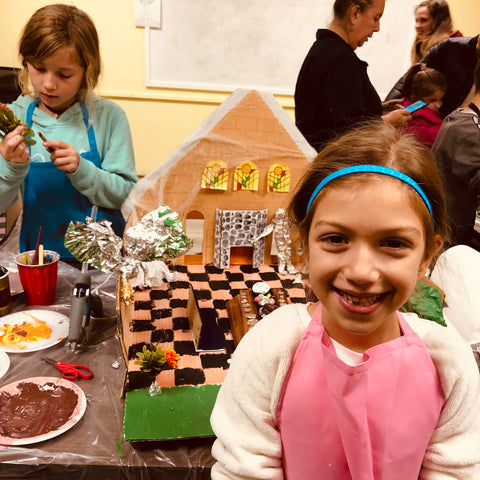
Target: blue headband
x=370 y=169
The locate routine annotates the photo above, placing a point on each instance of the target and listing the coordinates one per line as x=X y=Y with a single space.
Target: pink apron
x=372 y=421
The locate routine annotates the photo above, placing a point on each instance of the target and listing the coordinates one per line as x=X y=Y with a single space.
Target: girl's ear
x=437 y=245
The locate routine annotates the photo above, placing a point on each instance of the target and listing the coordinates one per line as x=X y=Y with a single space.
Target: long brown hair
x=442 y=27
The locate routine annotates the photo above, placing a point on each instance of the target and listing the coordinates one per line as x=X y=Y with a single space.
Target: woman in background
x=433 y=24
x=333 y=91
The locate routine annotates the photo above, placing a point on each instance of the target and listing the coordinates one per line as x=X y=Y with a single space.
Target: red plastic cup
x=39 y=282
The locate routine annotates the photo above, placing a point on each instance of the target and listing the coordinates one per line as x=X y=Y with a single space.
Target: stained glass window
x=278 y=178
x=246 y=176
x=215 y=176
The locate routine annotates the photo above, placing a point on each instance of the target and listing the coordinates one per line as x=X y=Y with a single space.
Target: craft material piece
x=4 y=363
x=32 y=330
x=9 y=122
x=280 y=226
x=37 y=409
x=153 y=360
x=239 y=228
x=71 y=371
x=179 y=412
x=215 y=176
x=246 y=309
x=39 y=281
x=157 y=238
x=278 y=178
x=204 y=326
x=49 y=149
x=37 y=247
x=5 y=296
x=246 y=176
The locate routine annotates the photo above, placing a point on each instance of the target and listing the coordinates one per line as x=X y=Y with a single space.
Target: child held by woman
x=427 y=84
x=348 y=387
x=88 y=156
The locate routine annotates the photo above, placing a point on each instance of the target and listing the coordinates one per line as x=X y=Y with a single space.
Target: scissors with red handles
x=71 y=371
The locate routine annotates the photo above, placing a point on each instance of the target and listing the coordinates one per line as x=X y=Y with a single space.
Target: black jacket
x=333 y=91
x=456 y=59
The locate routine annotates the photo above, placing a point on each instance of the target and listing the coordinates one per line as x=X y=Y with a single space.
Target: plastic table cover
x=94 y=446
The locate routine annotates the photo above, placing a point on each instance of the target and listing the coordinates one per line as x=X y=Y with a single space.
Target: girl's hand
x=64 y=156
x=12 y=147
x=397 y=118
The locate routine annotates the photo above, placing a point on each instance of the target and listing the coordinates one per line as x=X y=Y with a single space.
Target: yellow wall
x=160 y=118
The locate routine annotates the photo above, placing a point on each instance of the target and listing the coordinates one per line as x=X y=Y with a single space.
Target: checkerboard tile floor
x=160 y=316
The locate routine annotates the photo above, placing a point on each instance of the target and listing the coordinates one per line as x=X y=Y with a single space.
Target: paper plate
x=4 y=363
x=79 y=410
x=58 y=322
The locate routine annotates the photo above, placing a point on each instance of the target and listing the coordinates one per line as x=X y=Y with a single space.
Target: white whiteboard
x=223 y=45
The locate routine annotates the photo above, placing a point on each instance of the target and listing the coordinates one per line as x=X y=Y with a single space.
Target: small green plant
x=9 y=122
x=155 y=359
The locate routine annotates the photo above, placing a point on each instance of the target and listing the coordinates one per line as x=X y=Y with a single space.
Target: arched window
x=278 y=179
x=194 y=225
x=215 y=176
x=245 y=177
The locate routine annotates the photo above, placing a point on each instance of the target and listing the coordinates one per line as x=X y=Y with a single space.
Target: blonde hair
x=58 y=26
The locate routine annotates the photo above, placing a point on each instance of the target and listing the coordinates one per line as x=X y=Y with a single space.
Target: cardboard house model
x=227 y=180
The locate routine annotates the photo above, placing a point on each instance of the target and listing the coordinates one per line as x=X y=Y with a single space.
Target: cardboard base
x=178 y=412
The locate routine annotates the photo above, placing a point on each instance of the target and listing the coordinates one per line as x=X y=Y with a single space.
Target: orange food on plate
x=14 y=336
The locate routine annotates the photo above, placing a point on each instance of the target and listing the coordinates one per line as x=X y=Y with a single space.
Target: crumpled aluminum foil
x=157 y=238
x=280 y=226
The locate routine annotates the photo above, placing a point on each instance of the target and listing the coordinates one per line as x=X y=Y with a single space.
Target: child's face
x=435 y=99
x=57 y=79
x=366 y=252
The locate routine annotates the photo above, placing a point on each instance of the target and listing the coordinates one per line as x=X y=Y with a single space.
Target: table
x=93 y=448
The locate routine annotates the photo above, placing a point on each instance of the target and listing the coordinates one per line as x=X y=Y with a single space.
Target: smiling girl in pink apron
x=347 y=387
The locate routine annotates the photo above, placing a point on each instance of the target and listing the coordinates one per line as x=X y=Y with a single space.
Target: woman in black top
x=333 y=91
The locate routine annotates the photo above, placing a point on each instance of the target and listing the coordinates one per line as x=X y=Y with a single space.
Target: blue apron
x=51 y=201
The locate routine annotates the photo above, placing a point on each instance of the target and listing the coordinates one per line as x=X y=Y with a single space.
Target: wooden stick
x=40 y=255
x=35 y=257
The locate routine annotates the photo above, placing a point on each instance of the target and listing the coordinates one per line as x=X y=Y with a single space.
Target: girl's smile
x=365 y=259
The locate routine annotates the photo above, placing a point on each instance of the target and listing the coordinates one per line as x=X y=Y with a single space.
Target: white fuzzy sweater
x=248 y=444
